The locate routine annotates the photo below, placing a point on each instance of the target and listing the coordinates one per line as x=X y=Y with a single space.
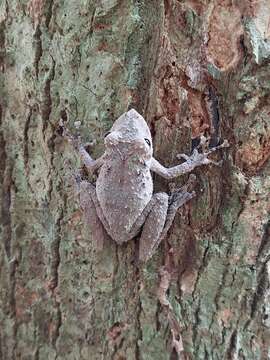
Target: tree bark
x=191 y=68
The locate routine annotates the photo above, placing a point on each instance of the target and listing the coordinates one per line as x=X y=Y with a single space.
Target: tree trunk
x=191 y=68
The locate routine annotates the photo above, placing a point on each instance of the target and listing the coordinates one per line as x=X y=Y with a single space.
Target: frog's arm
x=170 y=173
x=193 y=161
x=90 y=164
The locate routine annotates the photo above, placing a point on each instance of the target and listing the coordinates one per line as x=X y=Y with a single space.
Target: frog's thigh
x=153 y=226
x=91 y=217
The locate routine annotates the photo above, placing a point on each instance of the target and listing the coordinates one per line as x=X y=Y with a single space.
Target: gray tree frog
x=122 y=204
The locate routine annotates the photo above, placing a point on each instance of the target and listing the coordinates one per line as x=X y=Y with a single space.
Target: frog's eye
x=147 y=141
x=106 y=134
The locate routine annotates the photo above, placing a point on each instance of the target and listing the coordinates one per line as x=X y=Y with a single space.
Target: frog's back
x=123 y=193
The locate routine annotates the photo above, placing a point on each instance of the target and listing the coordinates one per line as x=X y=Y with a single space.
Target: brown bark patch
x=255 y=149
x=224 y=33
x=198 y=5
x=225 y=316
x=116 y=331
x=200 y=121
x=35 y=9
x=188 y=281
x=254 y=154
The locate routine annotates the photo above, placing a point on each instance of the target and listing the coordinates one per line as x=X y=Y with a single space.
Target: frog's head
x=130 y=134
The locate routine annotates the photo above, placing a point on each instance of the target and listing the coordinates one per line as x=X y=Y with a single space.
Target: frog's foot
x=198 y=158
x=176 y=201
x=178 y=194
x=179 y=199
x=75 y=140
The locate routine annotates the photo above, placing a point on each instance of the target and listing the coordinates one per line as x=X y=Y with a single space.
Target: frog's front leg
x=90 y=164
x=93 y=213
x=196 y=159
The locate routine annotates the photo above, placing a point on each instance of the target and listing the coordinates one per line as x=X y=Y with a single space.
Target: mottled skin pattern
x=123 y=204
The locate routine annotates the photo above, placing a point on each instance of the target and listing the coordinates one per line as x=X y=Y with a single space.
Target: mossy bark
x=191 y=68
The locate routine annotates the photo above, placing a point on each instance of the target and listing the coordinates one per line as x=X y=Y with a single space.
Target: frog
x=121 y=205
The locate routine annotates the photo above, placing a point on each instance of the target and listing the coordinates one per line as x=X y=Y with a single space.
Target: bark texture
x=191 y=68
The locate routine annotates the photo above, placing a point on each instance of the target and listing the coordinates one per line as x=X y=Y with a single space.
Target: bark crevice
x=38 y=49
x=46 y=106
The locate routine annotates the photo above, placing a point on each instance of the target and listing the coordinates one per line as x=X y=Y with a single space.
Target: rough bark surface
x=191 y=68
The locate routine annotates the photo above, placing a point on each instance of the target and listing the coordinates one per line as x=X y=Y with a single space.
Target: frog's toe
x=180 y=198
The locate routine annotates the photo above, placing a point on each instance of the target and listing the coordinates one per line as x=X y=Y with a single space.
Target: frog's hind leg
x=160 y=220
x=153 y=226
x=89 y=205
